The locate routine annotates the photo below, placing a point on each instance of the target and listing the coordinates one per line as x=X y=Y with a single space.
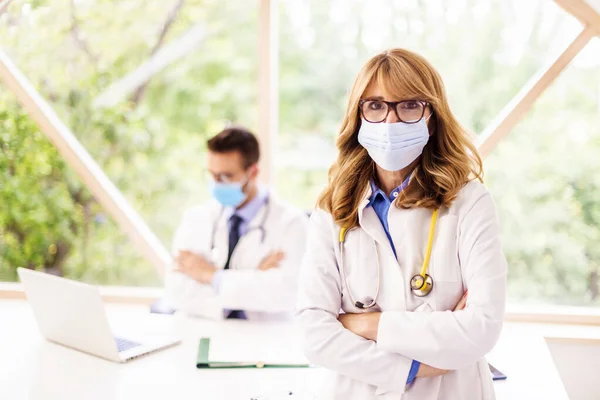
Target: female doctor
x=402 y=230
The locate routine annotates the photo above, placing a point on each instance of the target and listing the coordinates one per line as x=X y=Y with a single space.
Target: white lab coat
x=261 y=294
x=467 y=254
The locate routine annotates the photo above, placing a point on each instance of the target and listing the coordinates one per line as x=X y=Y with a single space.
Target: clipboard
x=203 y=362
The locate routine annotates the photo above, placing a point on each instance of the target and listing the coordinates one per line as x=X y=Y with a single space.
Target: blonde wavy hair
x=449 y=160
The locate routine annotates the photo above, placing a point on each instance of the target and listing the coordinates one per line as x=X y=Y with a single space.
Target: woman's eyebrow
x=407 y=98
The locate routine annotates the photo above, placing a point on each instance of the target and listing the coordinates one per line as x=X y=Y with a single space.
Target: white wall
x=579 y=367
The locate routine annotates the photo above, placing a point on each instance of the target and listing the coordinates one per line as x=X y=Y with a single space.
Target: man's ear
x=253 y=171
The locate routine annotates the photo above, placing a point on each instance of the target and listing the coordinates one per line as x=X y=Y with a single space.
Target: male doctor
x=238 y=255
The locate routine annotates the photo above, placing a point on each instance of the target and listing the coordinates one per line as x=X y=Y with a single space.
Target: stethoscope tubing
x=427 y=281
x=260 y=227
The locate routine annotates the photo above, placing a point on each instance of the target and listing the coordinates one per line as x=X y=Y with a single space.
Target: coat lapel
x=220 y=240
x=370 y=223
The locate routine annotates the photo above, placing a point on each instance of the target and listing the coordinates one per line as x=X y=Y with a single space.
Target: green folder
x=203 y=361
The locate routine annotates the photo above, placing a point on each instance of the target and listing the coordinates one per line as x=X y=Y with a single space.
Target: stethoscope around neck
x=260 y=227
x=421 y=284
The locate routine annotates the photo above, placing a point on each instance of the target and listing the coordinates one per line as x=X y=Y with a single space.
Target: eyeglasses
x=223 y=177
x=407 y=111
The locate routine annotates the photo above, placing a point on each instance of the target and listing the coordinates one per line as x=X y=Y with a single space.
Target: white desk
x=31 y=368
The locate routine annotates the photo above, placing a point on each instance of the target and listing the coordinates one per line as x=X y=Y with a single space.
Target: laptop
x=71 y=314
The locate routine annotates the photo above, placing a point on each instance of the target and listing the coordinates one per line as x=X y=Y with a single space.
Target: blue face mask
x=229 y=194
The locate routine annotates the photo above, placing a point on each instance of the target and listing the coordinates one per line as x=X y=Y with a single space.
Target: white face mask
x=393 y=146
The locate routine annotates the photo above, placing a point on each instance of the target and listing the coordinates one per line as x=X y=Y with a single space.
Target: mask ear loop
x=429 y=116
x=244 y=185
x=247 y=180
x=373 y=170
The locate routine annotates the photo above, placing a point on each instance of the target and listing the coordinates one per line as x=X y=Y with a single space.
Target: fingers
x=182 y=257
x=184 y=264
x=461 y=305
x=181 y=263
x=272 y=260
x=186 y=260
x=181 y=271
x=344 y=319
x=426 y=371
x=189 y=260
x=462 y=302
x=268 y=264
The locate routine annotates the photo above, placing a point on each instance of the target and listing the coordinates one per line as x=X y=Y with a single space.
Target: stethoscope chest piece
x=421 y=285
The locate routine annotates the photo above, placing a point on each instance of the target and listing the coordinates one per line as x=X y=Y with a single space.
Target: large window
x=150 y=141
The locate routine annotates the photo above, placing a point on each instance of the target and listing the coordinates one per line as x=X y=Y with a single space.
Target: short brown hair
x=239 y=139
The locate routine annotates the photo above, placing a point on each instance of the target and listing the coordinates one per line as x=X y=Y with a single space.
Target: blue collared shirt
x=381 y=204
x=247 y=213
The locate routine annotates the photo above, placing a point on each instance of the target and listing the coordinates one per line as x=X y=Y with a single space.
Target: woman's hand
x=364 y=324
x=462 y=303
x=425 y=371
x=367 y=324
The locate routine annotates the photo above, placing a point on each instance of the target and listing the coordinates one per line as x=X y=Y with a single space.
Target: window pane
x=545 y=181
x=485 y=51
x=150 y=142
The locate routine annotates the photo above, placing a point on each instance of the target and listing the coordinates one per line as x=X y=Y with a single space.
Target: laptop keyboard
x=123 y=344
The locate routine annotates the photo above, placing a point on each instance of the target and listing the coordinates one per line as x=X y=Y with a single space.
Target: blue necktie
x=234 y=237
